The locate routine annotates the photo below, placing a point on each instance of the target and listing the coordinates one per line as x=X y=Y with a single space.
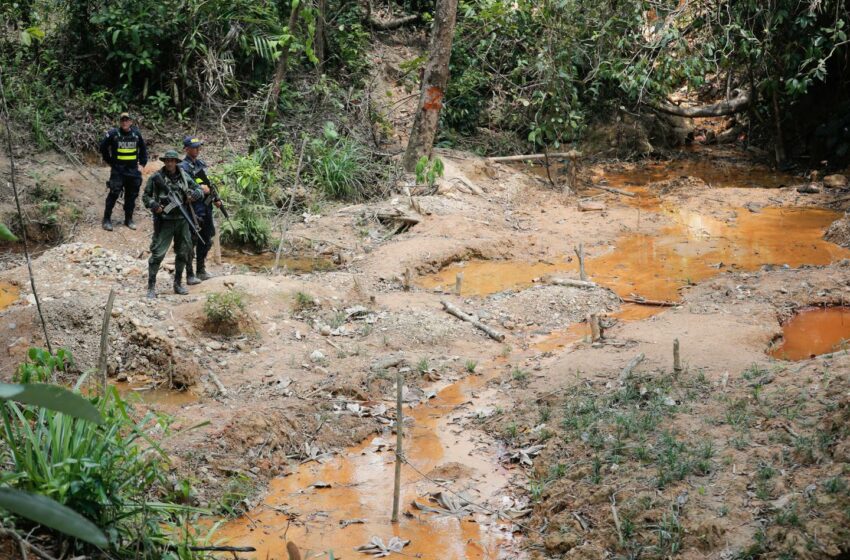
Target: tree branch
x=719 y=109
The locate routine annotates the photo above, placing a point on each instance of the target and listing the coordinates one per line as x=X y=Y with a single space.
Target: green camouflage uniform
x=169 y=225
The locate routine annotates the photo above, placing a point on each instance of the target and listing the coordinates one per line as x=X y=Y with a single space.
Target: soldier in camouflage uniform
x=169 y=222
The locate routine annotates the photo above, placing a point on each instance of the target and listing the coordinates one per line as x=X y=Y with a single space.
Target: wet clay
x=265 y=261
x=9 y=294
x=361 y=486
x=813 y=332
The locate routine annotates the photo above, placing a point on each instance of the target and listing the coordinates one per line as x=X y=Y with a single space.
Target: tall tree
x=434 y=82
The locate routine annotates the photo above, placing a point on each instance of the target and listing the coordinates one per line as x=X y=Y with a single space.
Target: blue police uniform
x=196 y=169
x=124 y=152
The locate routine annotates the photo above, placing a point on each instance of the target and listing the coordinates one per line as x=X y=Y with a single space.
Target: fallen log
x=572 y=283
x=719 y=109
x=652 y=302
x=492 y=333
x=613 y=190
x=403 y=218
x=532 y=157
x=391 y=24
x=591 y=206
x=627 y=371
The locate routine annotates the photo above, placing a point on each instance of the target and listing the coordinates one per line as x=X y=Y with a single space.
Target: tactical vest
x=127 y=147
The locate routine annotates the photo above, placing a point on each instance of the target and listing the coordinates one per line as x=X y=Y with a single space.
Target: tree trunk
x=719 y=109
x=283 y=61
x=320 y=41
x=779 y=141
x=434 y=82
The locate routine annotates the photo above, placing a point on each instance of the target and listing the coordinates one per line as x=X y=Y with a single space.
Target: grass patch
x=226 y=313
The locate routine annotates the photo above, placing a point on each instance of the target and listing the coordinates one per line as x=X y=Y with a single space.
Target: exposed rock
x=835 y=181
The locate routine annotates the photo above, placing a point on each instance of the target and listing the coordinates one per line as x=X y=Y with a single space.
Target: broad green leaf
x=6 y=235
x=49 y=513
x=51 y=397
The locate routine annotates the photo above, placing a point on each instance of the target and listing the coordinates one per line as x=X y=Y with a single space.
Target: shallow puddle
x=814 y=331
x=361 y=486
x=155 y=395
x=693 y=249
x=9 y=294
x=265 y=261
x=716 y=173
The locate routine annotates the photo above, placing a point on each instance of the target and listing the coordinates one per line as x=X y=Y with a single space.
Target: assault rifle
x=174 y=201
x=202 y=175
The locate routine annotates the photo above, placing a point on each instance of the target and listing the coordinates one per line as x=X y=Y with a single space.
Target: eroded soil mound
x=839 y=232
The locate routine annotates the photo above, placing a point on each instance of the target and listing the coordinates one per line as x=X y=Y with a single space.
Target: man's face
x=171 y=166
x=126 y=124
x=192 y=152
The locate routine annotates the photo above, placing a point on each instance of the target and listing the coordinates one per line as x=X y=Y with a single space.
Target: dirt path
x=306 y=398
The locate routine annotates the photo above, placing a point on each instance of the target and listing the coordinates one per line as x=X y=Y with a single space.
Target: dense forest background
x=539 y=73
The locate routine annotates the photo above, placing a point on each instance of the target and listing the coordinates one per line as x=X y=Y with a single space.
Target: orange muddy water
x=814 y=331
x=9 y=294
x=361 y=480
x=693 y=248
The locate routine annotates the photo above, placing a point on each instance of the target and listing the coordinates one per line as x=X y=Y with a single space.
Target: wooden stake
x=627 y=371
x=595 y=329
x=217 y=247
x=104 y=343
x=406 y=280
x=399 y=423
x=458 y=282
x=677 y=364
x=580 y=254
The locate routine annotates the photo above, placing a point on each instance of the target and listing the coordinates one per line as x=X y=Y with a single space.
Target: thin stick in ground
x=399 y=423
x=677 y=362
x=8 y=120
x=284 y=226
x=580 y=255
x=104 y=343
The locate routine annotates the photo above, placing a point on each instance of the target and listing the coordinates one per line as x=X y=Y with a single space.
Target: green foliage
x=339 y=166
x=96 y=460
x=427 y=172
x=247 y=185
x=303 y=301
x=225 y=309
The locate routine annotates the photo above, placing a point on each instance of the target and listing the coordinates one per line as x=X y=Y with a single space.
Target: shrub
x=248 y=187
x=225 y=312
x=338 y=166
x=303 y=302
x=110 y=472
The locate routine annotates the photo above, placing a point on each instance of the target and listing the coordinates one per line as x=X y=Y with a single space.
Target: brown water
x=9 y=294
x=362 y=484
x=814 y=331
x=265 y=261
x=716 y=173
x=156 y=395
x=689 y=251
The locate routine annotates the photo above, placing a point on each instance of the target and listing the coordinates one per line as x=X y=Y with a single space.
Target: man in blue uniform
x=123 y=148
x=196 y=168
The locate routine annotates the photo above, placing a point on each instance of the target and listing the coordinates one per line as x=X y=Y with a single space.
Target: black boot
x=107 y=224
x=191 y=279
x=152 y=288
x=202 y=271
x=130 y=223
x=180 y=289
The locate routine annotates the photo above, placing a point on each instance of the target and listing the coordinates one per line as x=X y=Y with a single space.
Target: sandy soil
x=307 y=381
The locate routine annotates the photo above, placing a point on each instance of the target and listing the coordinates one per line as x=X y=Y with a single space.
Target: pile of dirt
x=687 y=186
x=839 y=232
x=548 y=307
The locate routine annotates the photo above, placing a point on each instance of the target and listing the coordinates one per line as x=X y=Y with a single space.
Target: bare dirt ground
x=735 y=456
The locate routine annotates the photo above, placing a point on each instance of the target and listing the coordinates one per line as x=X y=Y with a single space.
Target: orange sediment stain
x=9 y=294
x=813 y=332
x=361 y=482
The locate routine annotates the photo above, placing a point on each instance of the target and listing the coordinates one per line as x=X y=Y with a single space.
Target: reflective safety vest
x=127 y=147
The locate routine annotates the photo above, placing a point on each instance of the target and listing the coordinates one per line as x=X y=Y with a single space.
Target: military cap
x=170 y=154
